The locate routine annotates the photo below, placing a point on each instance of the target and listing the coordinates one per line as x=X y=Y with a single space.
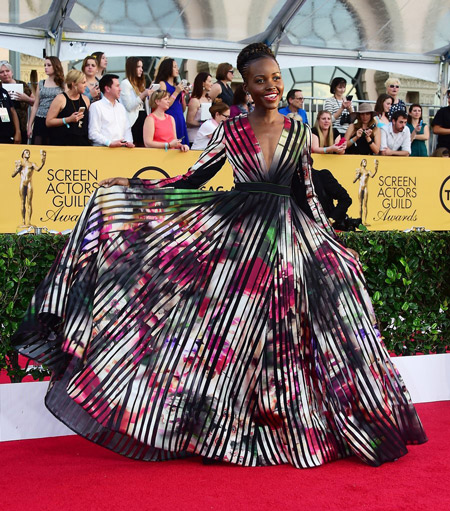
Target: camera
x=345 y=118
x=348 y=224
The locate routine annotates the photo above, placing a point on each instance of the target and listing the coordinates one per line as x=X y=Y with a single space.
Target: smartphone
x=81 y=109
x=341 y=141
x=349 y=98
x=184 y=83
x=154 y=87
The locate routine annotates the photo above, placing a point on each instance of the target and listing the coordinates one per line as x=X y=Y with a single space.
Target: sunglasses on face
x=226 y=116
x=394 y=86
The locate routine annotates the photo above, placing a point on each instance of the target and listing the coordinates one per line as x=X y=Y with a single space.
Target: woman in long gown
x=231 y=325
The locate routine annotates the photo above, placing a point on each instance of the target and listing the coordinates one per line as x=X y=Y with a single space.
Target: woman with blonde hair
x=134 y=98
x=68 y=117
x=363 y=136
x=325 y=138
x=159 y=127
x=46 y=92
x=392 y=88
x=167 y=78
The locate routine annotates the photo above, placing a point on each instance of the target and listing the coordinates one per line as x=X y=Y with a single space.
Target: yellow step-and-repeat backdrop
x=48 y=186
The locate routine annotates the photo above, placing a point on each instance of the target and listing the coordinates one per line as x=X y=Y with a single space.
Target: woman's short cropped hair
x=222 y=70
x=392 y=81
x=338 y=80
x=157 y=96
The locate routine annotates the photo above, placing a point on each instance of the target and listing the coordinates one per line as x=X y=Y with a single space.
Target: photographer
x=339 y=105
x=363 y=136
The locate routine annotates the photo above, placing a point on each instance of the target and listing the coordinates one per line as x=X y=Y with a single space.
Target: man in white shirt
x=395 y=139
x=108 y=120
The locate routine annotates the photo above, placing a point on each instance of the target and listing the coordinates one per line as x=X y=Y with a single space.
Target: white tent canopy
x=409 y=37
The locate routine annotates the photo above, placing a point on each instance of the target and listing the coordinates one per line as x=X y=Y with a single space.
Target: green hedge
x=408 y=277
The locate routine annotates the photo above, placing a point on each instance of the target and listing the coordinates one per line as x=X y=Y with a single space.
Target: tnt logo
x=445 y=194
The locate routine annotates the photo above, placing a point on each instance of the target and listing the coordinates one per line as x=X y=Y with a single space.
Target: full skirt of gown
x=231 y=325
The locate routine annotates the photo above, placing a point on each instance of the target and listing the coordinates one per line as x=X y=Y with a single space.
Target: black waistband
x=264 y=188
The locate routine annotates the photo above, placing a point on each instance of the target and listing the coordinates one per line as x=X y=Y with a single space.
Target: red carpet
x=69 y=473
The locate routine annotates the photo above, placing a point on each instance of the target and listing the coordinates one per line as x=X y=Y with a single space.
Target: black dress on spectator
x=7 y=129
x=76 y=134
x=397 y=107
x=336 y=133
x=227 y=93
x=360 y=146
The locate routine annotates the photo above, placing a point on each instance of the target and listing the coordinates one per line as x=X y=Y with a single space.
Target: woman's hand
x=94 y=91
x=354 y=253
x=338 y=149
x=112 y=181
x=368 y=134
x=184 y=148
x=75 y=117
x=29 y=130
x=346 y=104
x=179 y=88
x=175 y=144
x=359 y=133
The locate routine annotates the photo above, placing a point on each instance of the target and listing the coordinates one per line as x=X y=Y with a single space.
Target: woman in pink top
x=159 y=127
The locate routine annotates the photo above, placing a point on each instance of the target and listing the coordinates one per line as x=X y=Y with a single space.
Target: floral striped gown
x=230 y=325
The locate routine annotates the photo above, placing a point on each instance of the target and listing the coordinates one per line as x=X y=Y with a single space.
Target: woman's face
x=365 y=118
x=48 y=68
x=392 y=89
x=175 y=70
x=80 y=86
x=222 y=117
x=387 y=105
x=325 y=121
x=90 y=69
x=207 y=84
x=340 y=89
x=416 y=112
x=103 y=62
x=6 y=75
x=230 y=75
x=264 y=83
x=139 y=69
x=163 y=103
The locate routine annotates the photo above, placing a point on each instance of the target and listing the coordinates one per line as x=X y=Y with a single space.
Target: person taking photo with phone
x=363 y=136
x=340 y=105
x=420 y=132
x=67 y=117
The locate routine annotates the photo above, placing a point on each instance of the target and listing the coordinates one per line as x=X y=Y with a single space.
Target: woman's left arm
x=425 y=135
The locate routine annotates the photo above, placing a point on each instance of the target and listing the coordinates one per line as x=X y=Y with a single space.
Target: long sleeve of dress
x=313 y=201
x=210 y=162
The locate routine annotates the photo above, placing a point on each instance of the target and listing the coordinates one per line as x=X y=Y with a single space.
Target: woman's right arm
x=211 y=160
x=215 y=91
x=33 y=113
x=193 y=107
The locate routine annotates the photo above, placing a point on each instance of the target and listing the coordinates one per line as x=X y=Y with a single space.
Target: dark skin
x=264 y=82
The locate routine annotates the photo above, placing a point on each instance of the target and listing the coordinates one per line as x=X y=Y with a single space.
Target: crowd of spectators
x=91 y=107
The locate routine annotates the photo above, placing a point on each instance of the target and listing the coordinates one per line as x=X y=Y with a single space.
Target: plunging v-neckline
x=256 y=142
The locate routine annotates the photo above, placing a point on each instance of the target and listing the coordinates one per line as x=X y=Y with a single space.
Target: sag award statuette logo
x=362 y=175
x=26 y=169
